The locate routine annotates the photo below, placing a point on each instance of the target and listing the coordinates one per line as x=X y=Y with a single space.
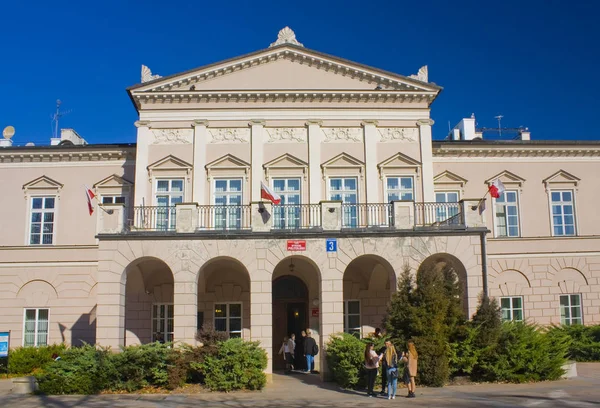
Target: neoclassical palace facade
x=180 y=237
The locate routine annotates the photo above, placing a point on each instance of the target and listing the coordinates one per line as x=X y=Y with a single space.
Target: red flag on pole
x=89 y=195
x=497 y=188
x=268 y=194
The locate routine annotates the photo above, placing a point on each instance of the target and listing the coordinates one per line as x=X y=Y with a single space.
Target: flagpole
x=109 y=212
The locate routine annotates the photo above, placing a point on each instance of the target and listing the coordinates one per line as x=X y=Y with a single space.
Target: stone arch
x=149 y=301
x=510 y=282
x=443 y=260
x=224 y=296
x=369 y=282
x=37 y=293
x=570 y=280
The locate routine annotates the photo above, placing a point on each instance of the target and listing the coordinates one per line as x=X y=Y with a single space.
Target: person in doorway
x=371 y=365
x=284 y=351
x=410 y=372
x=300 y=359
x=391 y=367
x=289 y=357
x=310 y=350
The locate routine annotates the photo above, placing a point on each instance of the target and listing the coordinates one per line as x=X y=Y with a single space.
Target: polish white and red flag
x=89 y=195
x=268 y=194
x=496 y=188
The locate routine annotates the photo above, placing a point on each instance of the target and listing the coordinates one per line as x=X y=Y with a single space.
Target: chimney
x=525 y=134
x=68 y=136
x=5 y=142
x=465 y=130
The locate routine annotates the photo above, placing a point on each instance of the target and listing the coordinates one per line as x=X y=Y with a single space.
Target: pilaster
x=426 y=159
x=315 y=137
x=370 y=140
x=256 y=147
x=141 y=163
x=185 y=309
x=261 y=312
x=199 y=171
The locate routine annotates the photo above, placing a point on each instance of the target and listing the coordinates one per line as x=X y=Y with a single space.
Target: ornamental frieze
x=286 y=135
x=399 y=134
x=352 y=135
x=172 y=136
x=232 y=135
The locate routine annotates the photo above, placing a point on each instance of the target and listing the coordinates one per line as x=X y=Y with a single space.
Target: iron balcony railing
x=224 y=217
x=153 y=218
x=366 y=215
x=296 y=216
x=438 y=214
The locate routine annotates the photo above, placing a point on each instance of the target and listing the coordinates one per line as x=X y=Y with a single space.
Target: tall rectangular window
x=570 y=310
x=512 y=308
x=162 y=322
x=563 y=213
x=352 y=317
x=41 y=228
x=227 y=199
x=287 y=213
x=507 y=214
x=228 y=318
x=450 y=209
x=35 y=327
x=399 y=188
x=345 y=189
x=168 y=193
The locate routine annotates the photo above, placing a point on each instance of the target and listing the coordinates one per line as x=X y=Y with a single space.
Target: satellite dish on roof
x=30 y=144
x=8 y=132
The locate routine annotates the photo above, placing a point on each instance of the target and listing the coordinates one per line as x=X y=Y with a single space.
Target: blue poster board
x=331 y=244
x=4 y=343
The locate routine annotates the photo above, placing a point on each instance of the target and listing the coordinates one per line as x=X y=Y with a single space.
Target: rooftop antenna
x=499 y=117
x=56 y=117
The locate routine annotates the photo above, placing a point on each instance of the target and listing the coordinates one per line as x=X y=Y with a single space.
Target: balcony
x=264 y=217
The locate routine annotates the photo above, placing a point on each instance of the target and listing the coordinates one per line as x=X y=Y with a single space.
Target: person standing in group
x=391 y=367
x=284 y=351
x=371 y=365
x=289 y=357
x=310 y=350
x=300 y=358
x=410 y=372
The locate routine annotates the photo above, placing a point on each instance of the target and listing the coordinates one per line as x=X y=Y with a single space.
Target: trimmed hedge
x=584 y=341
x=26 y=360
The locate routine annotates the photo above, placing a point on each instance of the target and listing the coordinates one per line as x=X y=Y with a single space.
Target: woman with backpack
x=391 y=359
x=310 y=350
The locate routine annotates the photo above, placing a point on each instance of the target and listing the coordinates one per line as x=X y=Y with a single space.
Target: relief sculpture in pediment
x=283 y=135
x=342 y=135
x=232 y=135
x=172 y=136
x=399 y=134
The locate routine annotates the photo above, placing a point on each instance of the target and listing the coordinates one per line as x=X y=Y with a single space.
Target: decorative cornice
x=317 y=122
x=140 y=123
x=286 y=36
x=200 y=122
x=369 y=122
x=514 y=151
x=50 y=156
x=257 y=122
x=425 y=122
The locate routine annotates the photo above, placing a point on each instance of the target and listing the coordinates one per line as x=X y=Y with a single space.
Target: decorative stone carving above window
x=399 y=164
x=510 y=180
x=449 y=181
x=343 y=135
x=170 y=166
x=42 y=185
x=228 y=166
x=172 y=136
x=343 y=164
x=399 y=134
x=561 y=179
x=230 y=135
x=286 y=135
x=286 y=162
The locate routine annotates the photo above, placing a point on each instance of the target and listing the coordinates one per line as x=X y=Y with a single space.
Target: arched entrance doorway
x=444 y=263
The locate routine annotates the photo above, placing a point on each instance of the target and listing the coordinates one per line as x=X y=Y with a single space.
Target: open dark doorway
x=290 y=315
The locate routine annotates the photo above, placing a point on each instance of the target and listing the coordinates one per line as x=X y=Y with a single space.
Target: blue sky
x=535 y=62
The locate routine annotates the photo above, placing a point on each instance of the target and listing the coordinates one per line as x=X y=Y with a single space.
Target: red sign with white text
x=296 y=245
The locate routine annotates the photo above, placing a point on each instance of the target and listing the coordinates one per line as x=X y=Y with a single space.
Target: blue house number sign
x=331 y=245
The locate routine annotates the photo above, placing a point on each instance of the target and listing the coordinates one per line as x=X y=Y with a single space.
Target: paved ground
x=297 y=391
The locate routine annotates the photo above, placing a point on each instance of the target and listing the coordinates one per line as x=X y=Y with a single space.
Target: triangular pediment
x=399 y=160
x=506 y=177
x=42 y=183
x=285 y=67
x=342 y=160
x=228 y=161
x=170 y=162
x=285 y=161
x=561 y=177
x=447 y=178
x=113 y=181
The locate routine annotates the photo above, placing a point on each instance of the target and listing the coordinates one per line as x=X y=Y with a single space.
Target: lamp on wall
x=315 y=302
x=292 y=267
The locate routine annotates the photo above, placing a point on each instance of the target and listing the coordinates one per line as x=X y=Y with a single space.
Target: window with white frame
x=228 y=318
x=162 y=322
x=563 y=213
x=507 y=214
x=287 y=213
x=35 y=327
x=41 y=228
x=512 y=308
x=445 y=212
x=168 y=193
x=399 y=188
x=345 y=189
x=352 y=317
x=227 y=198
x=570 y=310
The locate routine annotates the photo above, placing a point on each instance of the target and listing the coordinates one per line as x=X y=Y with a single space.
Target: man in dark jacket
x=310 y=350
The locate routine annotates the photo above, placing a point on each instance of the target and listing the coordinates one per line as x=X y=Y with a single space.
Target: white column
x=256 y=146
x=370 y=140
x=141 y=163
x=426 y=159
x=315 y=137
x=199 y=171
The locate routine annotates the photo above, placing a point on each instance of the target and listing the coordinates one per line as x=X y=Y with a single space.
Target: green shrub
x=237 y=365
x=464 y=352
x=26 y=360
x=345 y=359
x=82 y=370
x=208 y=335
x=584 y=341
